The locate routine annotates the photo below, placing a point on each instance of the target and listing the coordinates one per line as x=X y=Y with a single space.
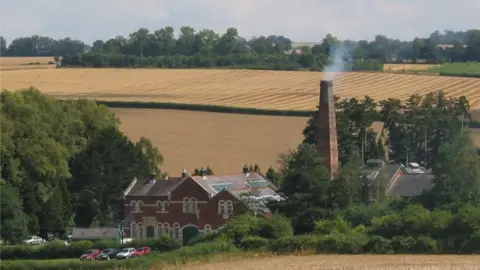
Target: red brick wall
x=209 y=211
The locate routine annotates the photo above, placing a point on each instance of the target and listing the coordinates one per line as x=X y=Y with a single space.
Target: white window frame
x=193 y=205
x=166 y=228
x=166 y=204
x=133 y=230
x=176 y=231
x=140 y=228
x=186 y=205
x=222 y=209
x=229 y=207
x=159 y=229
x=140 y=206
x=207 y=228
x=160 y=207
x=133 y=207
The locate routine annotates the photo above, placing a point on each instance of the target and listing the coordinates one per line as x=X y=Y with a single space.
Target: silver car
x=34 y=240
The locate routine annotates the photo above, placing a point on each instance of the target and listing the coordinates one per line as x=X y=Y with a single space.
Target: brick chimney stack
x=326 y=141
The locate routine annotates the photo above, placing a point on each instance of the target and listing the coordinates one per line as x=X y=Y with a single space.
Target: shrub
x=253 y=242
x=425 y=244
x=276 y=226
x=379 y=245
x=196 y=252
x=298 y=243
x=342 y=243
x=204 y=237
x=403 y=244
x=241 y=227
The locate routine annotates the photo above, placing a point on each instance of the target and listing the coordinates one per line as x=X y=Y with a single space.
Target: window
x=166 y=228
x=160 y=207
x=186 y=205
x=139 y=206
x=176 y=231
x=133 y=230
x=165 y=206
x=229 y=206
x=193 y=205
x=207 y=228
x=132 y=206
x=221 y=207
x=140 y=230
x=159 y=229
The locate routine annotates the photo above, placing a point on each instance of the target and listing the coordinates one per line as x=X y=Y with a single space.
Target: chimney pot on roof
x=202 y=171
x=245 y=169
x=184 y=173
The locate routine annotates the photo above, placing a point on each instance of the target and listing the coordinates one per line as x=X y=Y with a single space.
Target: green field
x=457 y=68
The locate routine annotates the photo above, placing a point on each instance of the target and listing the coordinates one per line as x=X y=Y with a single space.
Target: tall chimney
x=326 y=141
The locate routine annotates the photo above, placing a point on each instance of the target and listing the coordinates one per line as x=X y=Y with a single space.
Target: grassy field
x=16 y=63
x=242 y=88
x=350 y=262
x=407 y=67
x=457 y=68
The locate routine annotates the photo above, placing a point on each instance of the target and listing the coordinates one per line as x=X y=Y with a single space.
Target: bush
x=379 y=245
x=298 y=243
x=403 y=244
x=342 y=243
x=196 y=252
x=204 y=237
x=276 y=226
x=241 y=227
x=58 y=250
x=254 y=242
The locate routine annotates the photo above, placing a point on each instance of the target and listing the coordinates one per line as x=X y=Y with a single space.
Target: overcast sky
x=300 y=20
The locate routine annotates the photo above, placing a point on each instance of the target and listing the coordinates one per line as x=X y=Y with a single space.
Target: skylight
x=220 y=187
x=257 y=183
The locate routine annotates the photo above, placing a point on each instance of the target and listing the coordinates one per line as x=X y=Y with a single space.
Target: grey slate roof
x=94 y=233
x=409 y=185
x=216 y=183
x=153 y=188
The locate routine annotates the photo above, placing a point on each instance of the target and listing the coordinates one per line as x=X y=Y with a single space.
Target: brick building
x=187 y=205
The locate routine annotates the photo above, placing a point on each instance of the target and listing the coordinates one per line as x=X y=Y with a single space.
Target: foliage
x=471 y=68
x=51 y=159
x=254 y=242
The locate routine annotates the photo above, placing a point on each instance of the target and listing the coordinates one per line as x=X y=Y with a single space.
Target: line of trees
x=205 y=48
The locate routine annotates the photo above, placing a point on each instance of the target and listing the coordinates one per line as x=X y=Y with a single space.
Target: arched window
x=221 y=207
x=140 y=230
x=166 y=228
x=207 y=228
x=229 y=206
x=165 y=206
x=133 y=230
x=193 y=205
x=176 y=231
x=159 y=206
x=159 y=229
x=133 y=206
x=139 y=206
x=186 y=205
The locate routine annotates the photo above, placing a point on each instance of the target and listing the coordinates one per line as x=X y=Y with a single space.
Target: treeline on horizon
x=206 y=48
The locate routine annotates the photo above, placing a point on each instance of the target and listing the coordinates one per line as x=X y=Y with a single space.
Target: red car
x=90 y=254
x=142 y=251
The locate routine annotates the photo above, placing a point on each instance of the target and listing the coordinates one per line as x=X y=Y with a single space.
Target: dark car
x=108 y=254
x=90 y=254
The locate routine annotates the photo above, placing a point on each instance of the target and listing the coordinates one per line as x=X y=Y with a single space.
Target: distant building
x=187 y=205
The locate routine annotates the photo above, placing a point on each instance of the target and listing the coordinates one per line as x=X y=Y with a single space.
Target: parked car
x=108 y=254
x=90 y=254
x=126 y=253
x=34 y=240
x=142 y=251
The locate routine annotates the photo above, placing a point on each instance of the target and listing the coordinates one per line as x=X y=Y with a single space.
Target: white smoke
x=338 y=53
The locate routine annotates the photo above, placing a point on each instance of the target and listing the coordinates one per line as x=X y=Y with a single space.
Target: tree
x=273 y=176
x=348 y=187
x=13 y=223
x=306 y=185
x=457 y=172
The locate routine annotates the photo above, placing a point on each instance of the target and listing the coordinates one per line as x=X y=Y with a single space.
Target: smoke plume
x=338 y=53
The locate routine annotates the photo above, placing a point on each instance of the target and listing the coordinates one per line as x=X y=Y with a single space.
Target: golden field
x=347 y=262
x=242 y=88
x=189 y=139
x=15 y=63
x=404 y=67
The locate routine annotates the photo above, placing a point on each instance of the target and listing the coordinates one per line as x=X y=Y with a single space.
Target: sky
x=300 y=20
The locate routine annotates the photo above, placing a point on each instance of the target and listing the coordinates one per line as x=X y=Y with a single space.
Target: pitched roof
x=94 y=233
x=409 y=185
x=153 y=187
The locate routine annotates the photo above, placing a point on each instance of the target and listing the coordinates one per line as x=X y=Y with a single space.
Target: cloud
x=301 y=20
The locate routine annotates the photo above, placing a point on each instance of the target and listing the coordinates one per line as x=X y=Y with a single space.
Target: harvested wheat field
x=350 y=262
x=15 y=63
x=241 y=88
x=224 y=141
x=403 y=67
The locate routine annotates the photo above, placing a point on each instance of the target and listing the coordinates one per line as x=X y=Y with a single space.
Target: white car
x=34 y=240
x=126 y=253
